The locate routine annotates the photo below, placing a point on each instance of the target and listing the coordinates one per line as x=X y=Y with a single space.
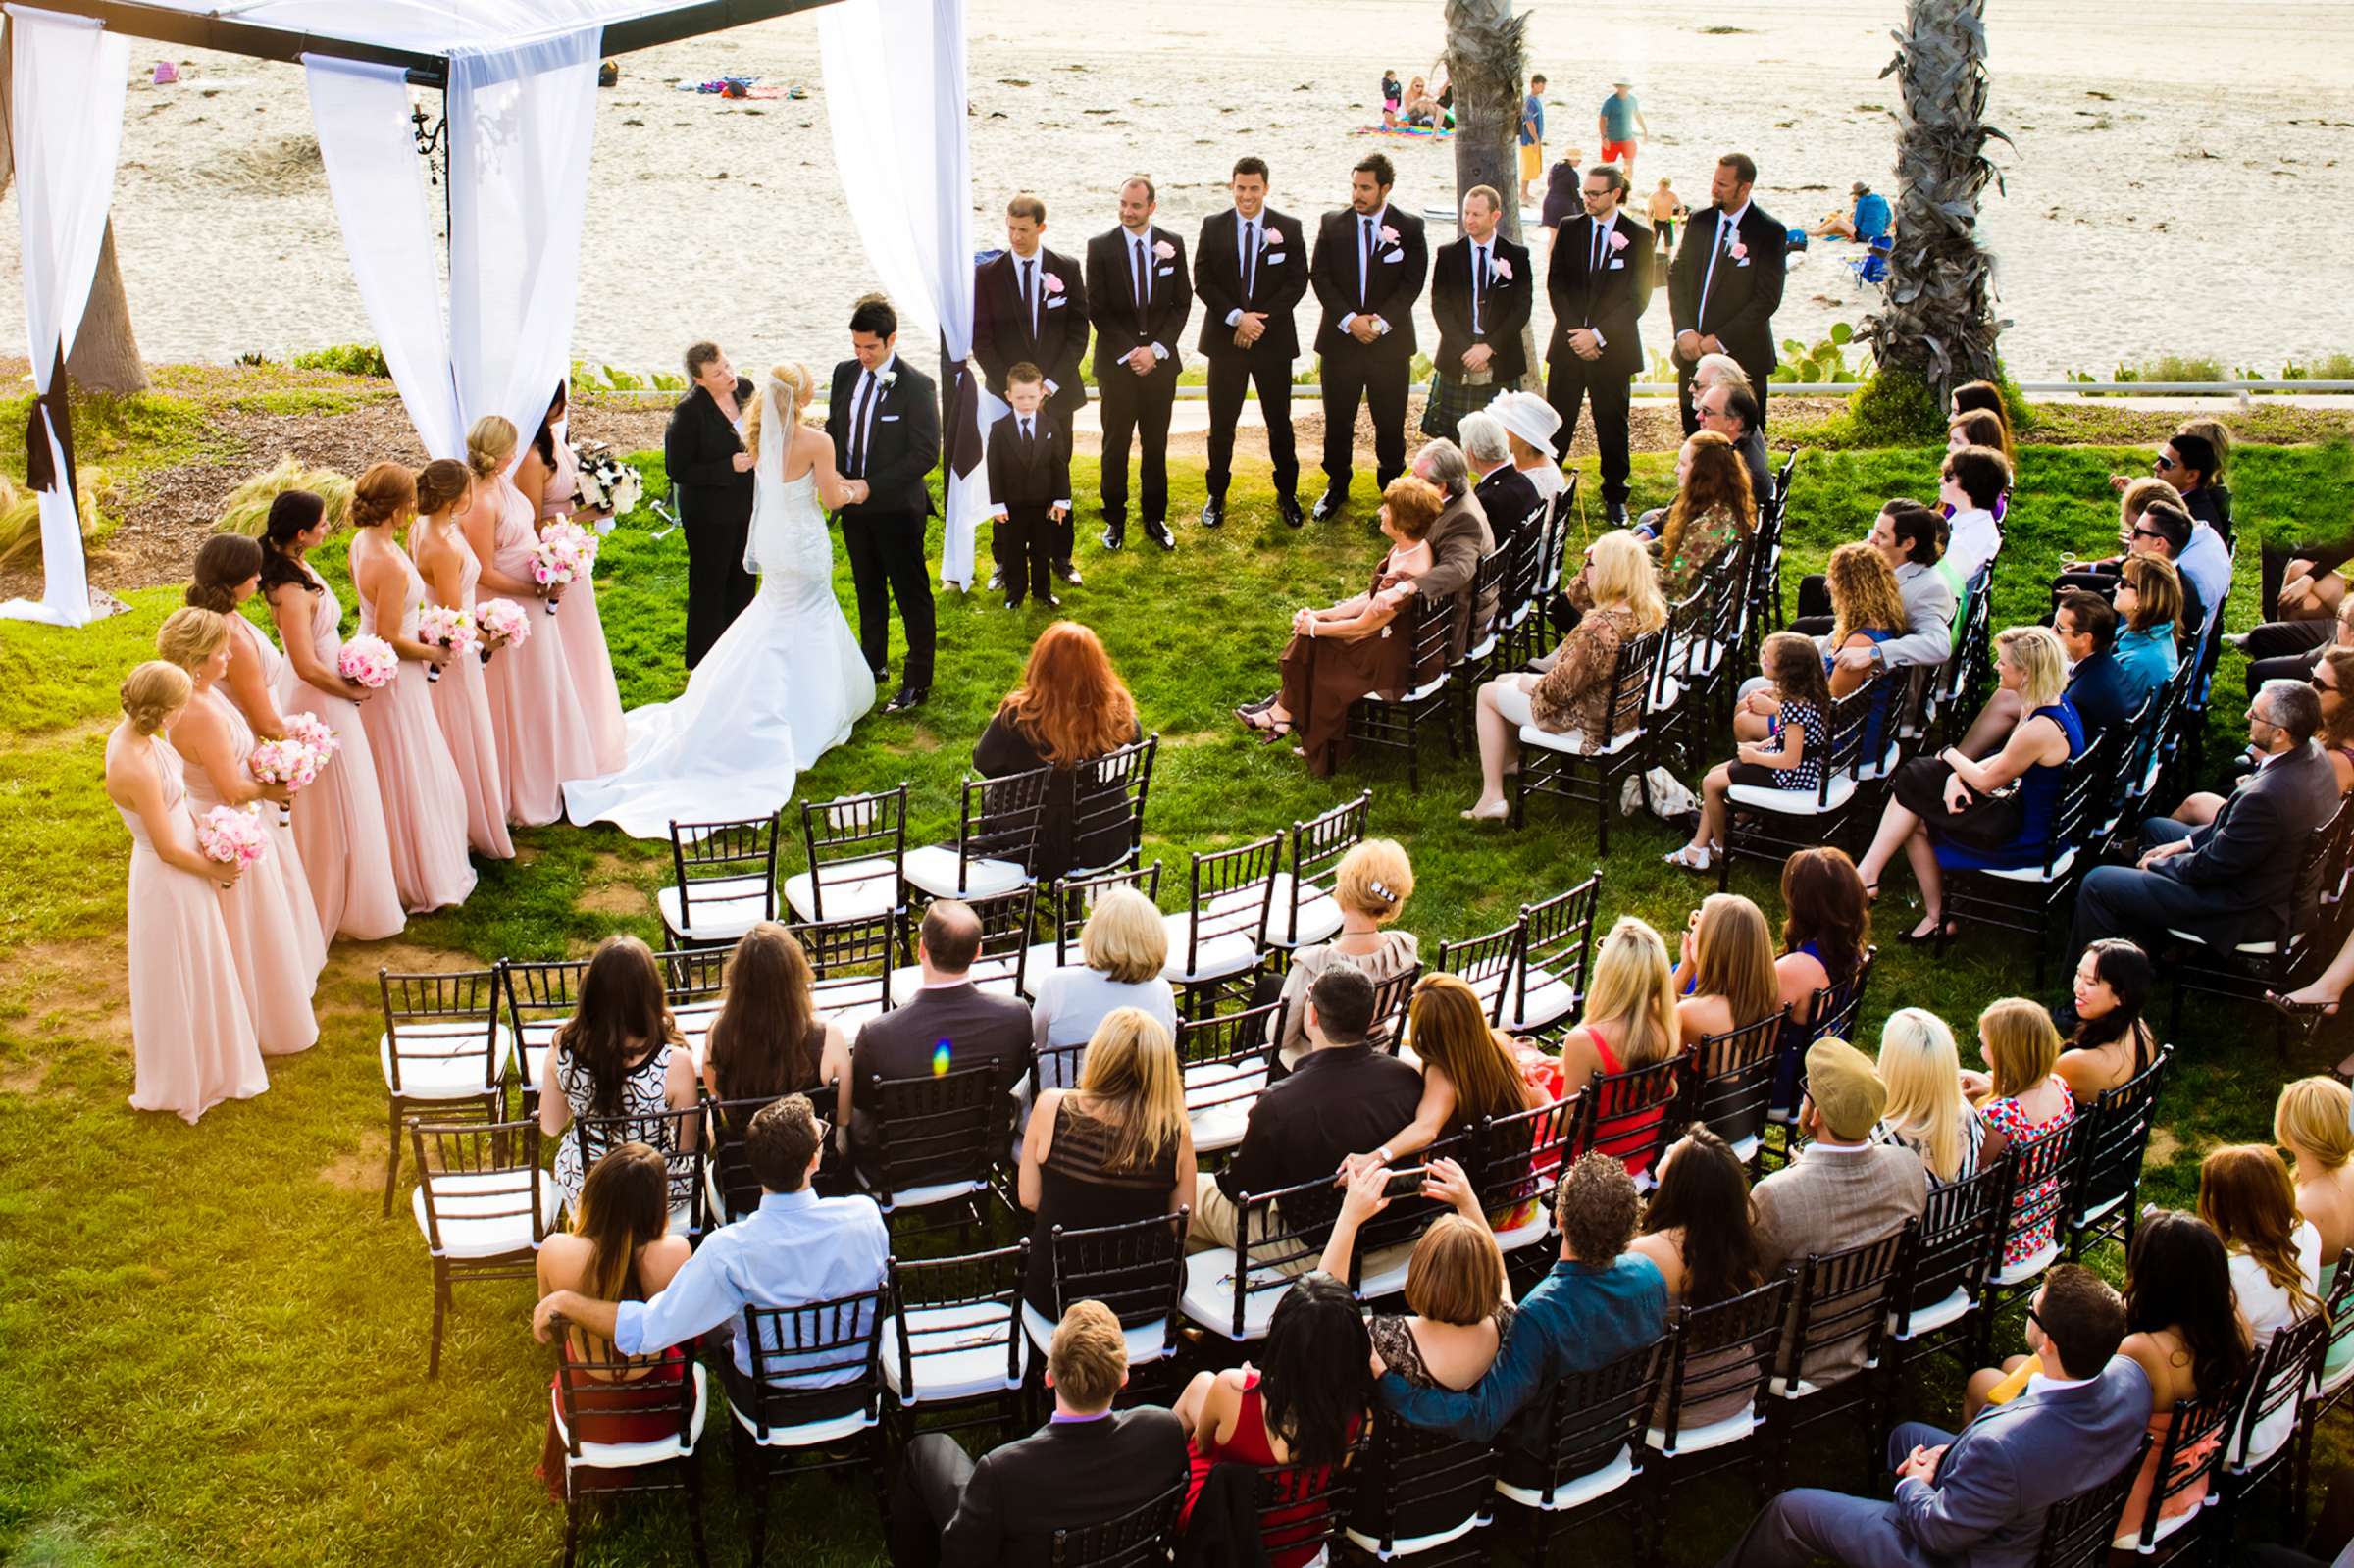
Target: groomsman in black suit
x=1481 y=291
x=1250 y=270
x=883 y=416
x=1371 y=264
x=1727 y=282
x=1029 y=489
x=1030 y=307
x=1598 y=282
x=1138 y=296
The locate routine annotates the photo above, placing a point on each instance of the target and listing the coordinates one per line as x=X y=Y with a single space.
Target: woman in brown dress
x=1352 y=650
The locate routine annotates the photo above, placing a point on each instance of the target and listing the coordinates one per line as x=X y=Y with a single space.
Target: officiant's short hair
x=1023 y=374
x=1027 y=206
x=699 y=355
x=873 y=314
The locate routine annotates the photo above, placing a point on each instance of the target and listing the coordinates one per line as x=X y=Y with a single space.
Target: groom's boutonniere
x=1053 y=284
x=1617 y=240
x=1503 y=269
x=1163 y=249
x=1388 y=235
x=888 y=378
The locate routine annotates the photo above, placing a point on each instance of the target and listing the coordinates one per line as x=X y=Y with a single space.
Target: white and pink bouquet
x=231 y=836
x=607 y=486
x=566 y=553
x=367 y=662
x=444 y=628
x=287 y=762
x=316 y=733
x=503 y=625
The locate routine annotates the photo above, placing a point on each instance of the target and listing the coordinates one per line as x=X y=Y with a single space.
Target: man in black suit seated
x=1029 y=489
x=1030 y=305
x=1481 y=292
x=1250 y=270
x=1139 y=294
x=1088 y=1465
x=950 y=1024
x=2234 y=880
x=1505 y=494
x=1598 y=282
x=1344 y=1098
x=884 y=417
x=1371 y=264
x=1727 y=282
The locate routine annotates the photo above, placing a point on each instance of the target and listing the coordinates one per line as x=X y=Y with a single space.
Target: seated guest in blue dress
x=2097 y=685
x=2148 y=604
x=1945 y=810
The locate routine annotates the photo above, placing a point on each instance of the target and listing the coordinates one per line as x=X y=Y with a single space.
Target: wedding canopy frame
x=518 y=78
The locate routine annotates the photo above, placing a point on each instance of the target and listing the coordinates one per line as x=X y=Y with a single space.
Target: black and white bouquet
x=607 y=486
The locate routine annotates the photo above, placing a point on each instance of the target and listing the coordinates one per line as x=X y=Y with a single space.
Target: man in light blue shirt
x=794 y=1249
x=2207 y=563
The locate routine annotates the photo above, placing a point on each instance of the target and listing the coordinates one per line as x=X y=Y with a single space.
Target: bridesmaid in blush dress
x=227 y=574
x=549 y=478
x=191 y=1038
x=461 y=697
x=338 y=821
x=534 y=710
x=425 y=806
x=273 y=923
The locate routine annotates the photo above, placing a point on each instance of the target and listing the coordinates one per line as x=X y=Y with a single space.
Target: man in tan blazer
x=1843 y=1189
x=1459 y=541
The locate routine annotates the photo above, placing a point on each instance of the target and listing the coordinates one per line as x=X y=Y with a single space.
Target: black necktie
x=1143 y=285
x=1600 y=234
x=1364 y=266
x=1479 y=291
x=1028 y=449
x=1029 y=303
x=1249 y=257
x=858 y=413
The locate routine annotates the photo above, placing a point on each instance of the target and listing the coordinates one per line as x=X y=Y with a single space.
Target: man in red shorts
x=1623 y=126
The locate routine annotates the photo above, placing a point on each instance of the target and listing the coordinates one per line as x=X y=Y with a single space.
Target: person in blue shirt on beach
x=1623 y=126
x=1532 y=135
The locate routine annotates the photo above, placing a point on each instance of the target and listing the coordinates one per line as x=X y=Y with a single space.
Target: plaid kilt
x=1449 y=400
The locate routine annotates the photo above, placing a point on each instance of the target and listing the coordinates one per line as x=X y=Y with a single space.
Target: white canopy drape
x=66 y=124
x=895 y=104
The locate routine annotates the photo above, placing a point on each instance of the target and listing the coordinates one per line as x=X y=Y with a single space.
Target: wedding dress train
x=784 y=685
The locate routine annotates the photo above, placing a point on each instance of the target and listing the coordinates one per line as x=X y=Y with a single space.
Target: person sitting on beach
x=1419 y=108
x=1864 y=219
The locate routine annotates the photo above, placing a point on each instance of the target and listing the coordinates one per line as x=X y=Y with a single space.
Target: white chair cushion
x=1884 y=765
x=1209 y=1297
x=1574 y=1493
x=1039 y=962
x=849 y=1001
x=2263 y=949
x=1414 y=1546
x=1531 y=735
x=1144 y=1341
x=2037 y=873
x=1929 y=1319
x=444 y=1061
x=808 y=1434
x=1793 y=802
x=916 y=1197
x=1319 y=915
x=630 y=1455
x=694 y=1020
x=1220 y=1125
x=536 y=1039
x=1548 y=1001
x=2028 y=1268
x=959 y=1351
x=854 y=889
x=723 y=908
x=1699 y=1440
x=1227 y=953
x=2165 y=1527
x=1528 y=1234
x=932 y=869
x=991 y=975
x=482 y=1212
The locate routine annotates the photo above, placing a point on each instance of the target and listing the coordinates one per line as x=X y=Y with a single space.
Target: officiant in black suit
x=1598 y=282
x=1250 y=270
x=1481 y=291
x=711 y=482
x=1727 y=282
x=1139 y=294
x=1029 y=308
x=1371 y=264
x=884 y=418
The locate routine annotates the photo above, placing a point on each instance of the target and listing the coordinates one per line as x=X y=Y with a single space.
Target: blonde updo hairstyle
x=189 y=636
x=154 y=692
x=1375 y=880
x=383 y=494
x=790 y=377
x=490 y=445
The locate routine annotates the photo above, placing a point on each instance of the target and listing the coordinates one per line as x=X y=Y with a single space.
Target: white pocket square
x=1056 y=303
x=886 y=417
x=1743 y=261
x=1616 y=265
x=1272 y=257
x=1393 y=256
x=1165 y=271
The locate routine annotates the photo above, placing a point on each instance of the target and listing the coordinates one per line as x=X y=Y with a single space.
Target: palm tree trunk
x=1487 y=61
x=1938 y=322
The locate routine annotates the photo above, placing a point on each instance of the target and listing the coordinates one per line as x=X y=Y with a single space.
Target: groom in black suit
x=884 y=417
x=1250 y=270
x=1140 y=296
x=1029 y=308
x=1370 y=264
x=1727 y=282
x=1598 y=282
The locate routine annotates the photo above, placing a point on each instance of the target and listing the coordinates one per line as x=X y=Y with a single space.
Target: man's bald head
x=951 y=935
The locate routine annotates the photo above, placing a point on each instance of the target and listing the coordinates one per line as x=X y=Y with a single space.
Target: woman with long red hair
x=1071 y=708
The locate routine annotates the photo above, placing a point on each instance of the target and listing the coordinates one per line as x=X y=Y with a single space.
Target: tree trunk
x=1939 y=322
x=106 y=352
x=1487 y=60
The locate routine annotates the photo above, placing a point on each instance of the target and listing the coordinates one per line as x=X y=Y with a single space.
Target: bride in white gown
x=782 y=684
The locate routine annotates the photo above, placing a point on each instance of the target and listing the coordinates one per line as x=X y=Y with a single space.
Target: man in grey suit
x=1843 y=1189
x=1978 y=1500
x=2238 y=876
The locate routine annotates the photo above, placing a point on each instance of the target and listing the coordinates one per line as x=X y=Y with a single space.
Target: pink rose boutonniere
x=1738 y=251
x=1053 y=285
x=1617 y=240
x=1164 y=250
x=1504 y=268
x=1388 y=235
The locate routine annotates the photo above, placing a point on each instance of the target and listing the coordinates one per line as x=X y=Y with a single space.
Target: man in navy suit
x=1140 y=293
x=1250 y=270
x=1598 y=282
x=1978 y=1499
x=1727 y=282
x=1370 y=264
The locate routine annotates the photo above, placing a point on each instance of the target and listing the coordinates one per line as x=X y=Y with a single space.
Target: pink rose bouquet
x=369 y=661
x=231 y=836
x=503 y=625
x=283 y=762
x=565 y=553
x=316 y=733
x=444 y=628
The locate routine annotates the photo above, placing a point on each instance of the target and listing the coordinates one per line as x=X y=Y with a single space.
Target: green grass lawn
x=214 y=1349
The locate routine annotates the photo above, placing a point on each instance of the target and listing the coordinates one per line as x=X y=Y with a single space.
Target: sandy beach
x=2165 y=154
